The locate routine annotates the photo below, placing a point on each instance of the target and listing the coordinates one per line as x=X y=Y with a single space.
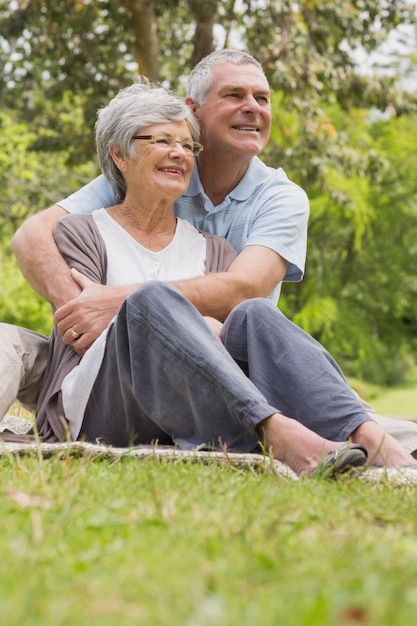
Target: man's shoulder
x=260 y=177
x=274 y=175
x=263 y=183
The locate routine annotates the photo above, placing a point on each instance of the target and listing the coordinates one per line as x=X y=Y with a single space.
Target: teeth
x=246 y=128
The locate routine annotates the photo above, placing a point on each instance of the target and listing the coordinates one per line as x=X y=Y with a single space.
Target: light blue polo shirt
x=264 y=209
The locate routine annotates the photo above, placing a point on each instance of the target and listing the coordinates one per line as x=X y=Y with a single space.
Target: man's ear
x=192 y=104
x=118 y=158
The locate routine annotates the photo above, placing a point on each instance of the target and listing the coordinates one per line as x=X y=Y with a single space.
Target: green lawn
x=402 y=401
x=147 y=542
x=173 y=543
x=395 y=401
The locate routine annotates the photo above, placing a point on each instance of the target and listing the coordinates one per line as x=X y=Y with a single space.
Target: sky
x=393 y=57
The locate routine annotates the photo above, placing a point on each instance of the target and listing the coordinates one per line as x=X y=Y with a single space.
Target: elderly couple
x=162 y=331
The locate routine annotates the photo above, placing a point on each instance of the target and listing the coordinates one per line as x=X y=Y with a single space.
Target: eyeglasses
x=190 y=146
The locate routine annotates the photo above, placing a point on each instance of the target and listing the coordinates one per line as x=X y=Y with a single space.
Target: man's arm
x=254 y=273
x=37 y=254
x=40 y=260
x=91 y=312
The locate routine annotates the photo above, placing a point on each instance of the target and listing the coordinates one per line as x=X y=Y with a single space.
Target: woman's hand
x=215 y=325
x=83 y=319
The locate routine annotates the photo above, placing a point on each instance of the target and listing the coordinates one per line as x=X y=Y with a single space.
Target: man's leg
x=298 y=376
x=22 y=364
x=293 y=371
x=404 y=431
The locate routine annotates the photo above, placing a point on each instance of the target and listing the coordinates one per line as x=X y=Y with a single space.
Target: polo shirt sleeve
x=93 y=196
x=281 y=223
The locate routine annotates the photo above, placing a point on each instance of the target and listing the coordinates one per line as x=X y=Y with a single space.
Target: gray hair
x=200 y=79
x=133 y=108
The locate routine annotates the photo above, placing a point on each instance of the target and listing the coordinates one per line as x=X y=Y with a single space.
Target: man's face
x=236 y=117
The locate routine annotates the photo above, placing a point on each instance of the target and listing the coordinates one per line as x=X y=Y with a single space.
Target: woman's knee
x=151 y=292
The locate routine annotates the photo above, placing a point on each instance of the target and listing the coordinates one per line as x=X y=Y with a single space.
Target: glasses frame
x=154 y=139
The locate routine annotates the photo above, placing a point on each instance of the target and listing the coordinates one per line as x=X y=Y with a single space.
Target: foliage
x=360 y=292
x=29 y=180
x=60 y=60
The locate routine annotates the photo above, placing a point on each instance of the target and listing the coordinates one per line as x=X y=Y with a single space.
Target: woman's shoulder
x=77 y=223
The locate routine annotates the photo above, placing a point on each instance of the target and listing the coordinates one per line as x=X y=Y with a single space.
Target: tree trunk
x=204 y=13
x=146 y=37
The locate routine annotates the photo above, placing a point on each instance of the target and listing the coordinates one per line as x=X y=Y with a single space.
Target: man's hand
x=83 y=319
x=253 y=274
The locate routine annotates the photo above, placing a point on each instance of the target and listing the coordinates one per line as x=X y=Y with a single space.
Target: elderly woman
x=159 y=372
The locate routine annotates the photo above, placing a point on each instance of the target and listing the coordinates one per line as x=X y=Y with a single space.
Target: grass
x=87 y=542
x=399 y=400
x=147 y=542
x=393 y=401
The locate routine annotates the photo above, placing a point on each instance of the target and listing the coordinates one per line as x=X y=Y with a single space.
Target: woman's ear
x=118 y=158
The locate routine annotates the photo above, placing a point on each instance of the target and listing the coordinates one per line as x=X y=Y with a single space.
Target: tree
x=60 y=60
x=359 y=296
x=27 y=184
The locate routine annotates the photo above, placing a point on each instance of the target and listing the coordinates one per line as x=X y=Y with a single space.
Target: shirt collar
x=255 y=175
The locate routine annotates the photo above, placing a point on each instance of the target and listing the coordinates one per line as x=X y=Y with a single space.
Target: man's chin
x=250 y=148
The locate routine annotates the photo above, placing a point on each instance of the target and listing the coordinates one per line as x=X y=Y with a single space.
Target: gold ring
x=74 y=334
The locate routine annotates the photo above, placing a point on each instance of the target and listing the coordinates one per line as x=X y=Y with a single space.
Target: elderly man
x=232 y=193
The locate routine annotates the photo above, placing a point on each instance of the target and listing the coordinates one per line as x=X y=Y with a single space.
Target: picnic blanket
x=389 y=476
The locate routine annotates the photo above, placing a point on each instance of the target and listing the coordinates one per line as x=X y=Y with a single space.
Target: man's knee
x=23 y=359
x=259 y=309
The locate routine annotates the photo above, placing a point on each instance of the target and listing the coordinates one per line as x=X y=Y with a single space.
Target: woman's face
x=164 y=162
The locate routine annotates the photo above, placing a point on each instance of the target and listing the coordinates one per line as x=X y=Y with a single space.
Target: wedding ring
x=74 y=334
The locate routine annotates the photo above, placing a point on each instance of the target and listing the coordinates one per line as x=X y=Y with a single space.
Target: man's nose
x=251 y=104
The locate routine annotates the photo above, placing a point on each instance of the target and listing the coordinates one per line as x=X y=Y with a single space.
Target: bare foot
x=383 y=449
x=294 y=444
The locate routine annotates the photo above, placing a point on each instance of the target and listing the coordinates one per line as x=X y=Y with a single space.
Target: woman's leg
x=298 y=376
x=166 y=376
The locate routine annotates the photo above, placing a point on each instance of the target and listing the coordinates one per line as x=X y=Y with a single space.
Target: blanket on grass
x=258 y=462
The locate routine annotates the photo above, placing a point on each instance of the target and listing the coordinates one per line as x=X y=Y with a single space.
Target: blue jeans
x=167 y=377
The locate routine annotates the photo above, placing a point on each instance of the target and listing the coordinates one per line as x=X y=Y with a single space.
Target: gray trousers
x=23 y=356
x=166 y=376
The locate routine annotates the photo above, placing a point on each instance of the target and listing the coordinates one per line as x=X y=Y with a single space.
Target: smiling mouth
x=253 y=129
x=172 y=170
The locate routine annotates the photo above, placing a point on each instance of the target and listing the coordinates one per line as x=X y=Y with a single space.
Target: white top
x=128 y=262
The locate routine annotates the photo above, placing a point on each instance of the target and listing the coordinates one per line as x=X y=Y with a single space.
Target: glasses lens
x=160 y=140
x=197 y=147
x=193 y=147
